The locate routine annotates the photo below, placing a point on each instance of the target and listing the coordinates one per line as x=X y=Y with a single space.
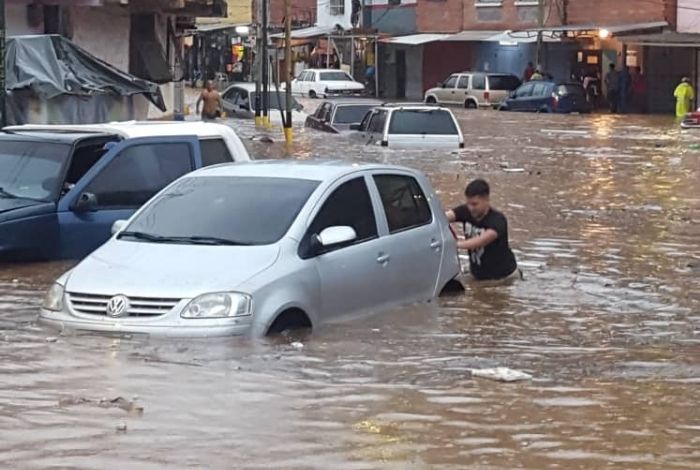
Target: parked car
x=548 y=97
x=64 y=186
x=323 y=83
x=239 y=101
x=410 y=126
x=338 y=115
x=473 y=89
x=335 y=240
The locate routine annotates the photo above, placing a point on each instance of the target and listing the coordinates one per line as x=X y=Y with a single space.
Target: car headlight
x=219 y=305
x=53 y=300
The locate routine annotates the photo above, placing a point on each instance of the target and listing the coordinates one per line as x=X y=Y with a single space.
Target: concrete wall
x=104 y=32
x=440 y=59
x=390 y=19
x=17 y=21
x=688 y=16
x=325 y=18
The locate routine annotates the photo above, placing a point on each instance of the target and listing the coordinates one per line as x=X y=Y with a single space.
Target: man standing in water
x=490 y=256
x=684 y=95
x=212 y=102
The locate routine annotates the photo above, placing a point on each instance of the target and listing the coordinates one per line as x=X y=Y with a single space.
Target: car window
x=335 y=77
x=302 y=76
x=478 y=82
x=463 y=82
x=349 y=205
x=570 y=89
x=31 y=169
x=247 y=210
x=377 y=122
x=450 y=82
x=539 y=90
x=139 y=172
x=232 y=94
x=324 y=112
x=214 y=151
x=310 y=76
x=85 y=155
x=524 y=91
x=351 y=114
x=503 y=82
x=422 y=121
x=405 y=204
x=364 y=125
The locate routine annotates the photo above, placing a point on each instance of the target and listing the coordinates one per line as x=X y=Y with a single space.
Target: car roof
x=53 y=137
x=323 y=70
x=358 y=101
x=132 y=129
x=399 y=106
x=316 y=170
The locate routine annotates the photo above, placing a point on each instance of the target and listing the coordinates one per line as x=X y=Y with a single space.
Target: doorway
x=400 y=73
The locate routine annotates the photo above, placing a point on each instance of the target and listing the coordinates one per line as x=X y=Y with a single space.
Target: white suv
x=324 y=83
x=473 y=89
x=410 y=126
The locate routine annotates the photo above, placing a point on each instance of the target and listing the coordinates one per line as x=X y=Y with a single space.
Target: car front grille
x=91 y=304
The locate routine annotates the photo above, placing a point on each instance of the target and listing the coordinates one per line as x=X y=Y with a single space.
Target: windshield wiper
x=194 y=240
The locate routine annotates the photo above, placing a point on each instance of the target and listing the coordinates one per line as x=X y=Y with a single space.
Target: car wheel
x=431 y=100
x=503 y=108
x=469 y=104
x=293 y=319
x=312 y=95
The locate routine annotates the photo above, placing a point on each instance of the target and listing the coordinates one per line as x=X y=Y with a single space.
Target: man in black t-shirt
x=490 y=256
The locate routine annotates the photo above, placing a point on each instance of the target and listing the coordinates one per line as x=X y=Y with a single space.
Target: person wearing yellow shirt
x=684 y=95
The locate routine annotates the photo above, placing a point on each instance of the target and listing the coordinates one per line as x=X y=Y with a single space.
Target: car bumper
x=344 y=92
x=163 y=326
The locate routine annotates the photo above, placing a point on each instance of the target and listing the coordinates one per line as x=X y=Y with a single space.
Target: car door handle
x=435 y=244
x=383 y=258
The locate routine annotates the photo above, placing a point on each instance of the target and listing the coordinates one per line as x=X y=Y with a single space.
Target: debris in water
x=297 y=345
x=514 y=170
x=694 y=146
x=118 y=402
x=121 y=427
x=51 y=339
x=15 y=281
x=501 y=374
x=263 y=138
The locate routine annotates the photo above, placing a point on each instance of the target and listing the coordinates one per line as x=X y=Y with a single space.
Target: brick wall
x=302 y=10
x=450 y=16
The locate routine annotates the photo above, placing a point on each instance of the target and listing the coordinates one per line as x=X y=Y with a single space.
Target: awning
x=310 y=32
x=211 y=27
x=473 y=35
x=667 y=39
x=554 y=31
x=414 y=39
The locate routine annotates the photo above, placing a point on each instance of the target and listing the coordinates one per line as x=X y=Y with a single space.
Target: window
x=86 y=154
x=422 y=121
x=394 y=2
x=139 y=172
x=30 y=169
x=570 y=89
x=478 y=82
x=503 y=82
x=377 y=122
x=450 y=82
x=324 y=112
x=335 y=77
x=233 y=94
x=349 y=205
x=539 y=90
x=351 y=114
x=214 y=151
x=364 y=125
x=245 y=210
x=524 y=91
x=404 y=203
x=463 y=82
x=337 y=7
x=310 y=77
x=302 y=76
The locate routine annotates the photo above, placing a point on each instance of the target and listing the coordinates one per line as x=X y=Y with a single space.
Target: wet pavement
x=605 y=218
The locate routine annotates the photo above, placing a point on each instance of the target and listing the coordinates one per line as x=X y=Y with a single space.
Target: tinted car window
x=422 y=121
x=139 y=172
x=478 y=82
x=524 y=91
x=404 y=203
x=214 y=151
x=570 y=89
x=351 y=114
x=85 y=155
x=349 y=205
x=463 y=82
x=31 y=169
x=233 y=94
x=450 y=82
x=335 y=77
x=540 y=90
x=377 y=122
x=246 y=210
x=503 y=82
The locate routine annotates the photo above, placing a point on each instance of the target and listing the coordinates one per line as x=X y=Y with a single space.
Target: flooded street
x=604 y=216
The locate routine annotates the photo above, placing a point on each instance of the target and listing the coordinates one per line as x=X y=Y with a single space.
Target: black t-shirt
x=495 y=260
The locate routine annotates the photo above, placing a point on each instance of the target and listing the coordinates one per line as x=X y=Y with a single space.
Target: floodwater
x=605 y=217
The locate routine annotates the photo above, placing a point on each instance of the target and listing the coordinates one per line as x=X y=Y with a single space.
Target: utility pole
x=266 y=66
x=3 y=92
x=256 y=64
x=540 y=25
x=290 y=68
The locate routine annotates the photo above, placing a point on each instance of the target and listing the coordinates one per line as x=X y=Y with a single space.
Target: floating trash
x=501 y=374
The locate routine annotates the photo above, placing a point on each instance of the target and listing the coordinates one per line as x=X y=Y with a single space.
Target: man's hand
x=451 y=217
x=489 y=236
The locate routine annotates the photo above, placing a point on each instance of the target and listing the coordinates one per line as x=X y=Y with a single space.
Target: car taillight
x=487 y=96
x=555 y=101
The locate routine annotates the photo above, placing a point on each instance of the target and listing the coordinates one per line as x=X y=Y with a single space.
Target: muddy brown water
x=604 y=214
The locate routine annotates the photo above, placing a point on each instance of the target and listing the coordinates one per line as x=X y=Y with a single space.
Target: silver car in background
x=262 y=247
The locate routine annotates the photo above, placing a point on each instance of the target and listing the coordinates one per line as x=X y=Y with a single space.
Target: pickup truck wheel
x=469 y=104
x=312 y=95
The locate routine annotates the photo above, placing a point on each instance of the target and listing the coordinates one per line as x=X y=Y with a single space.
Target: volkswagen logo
x=118 y=306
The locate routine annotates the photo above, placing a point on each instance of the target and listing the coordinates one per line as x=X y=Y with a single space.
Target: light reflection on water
x=606 y=226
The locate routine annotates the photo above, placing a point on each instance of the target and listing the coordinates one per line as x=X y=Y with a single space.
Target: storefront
x=222 y=53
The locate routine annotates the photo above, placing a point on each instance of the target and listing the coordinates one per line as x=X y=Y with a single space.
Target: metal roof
x=309 y=32
x=666 y=39
x=415 y=39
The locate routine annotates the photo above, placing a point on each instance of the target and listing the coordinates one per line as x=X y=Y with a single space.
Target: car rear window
x=335 y=77
x=214 y=151
x=351 y=114
x=422 y=121
x=503 y=82
x=570 y=89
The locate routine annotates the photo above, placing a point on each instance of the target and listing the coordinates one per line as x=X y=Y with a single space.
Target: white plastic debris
x=501 y=374
x=297 y=345
x=514 y=170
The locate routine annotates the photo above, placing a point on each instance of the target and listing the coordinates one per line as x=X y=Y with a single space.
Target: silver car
x=262 y=247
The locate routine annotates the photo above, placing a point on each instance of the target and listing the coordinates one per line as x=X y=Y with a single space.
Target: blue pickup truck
x=62 y=187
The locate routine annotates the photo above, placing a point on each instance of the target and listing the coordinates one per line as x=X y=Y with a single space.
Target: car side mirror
x=332 y=236
x=86 y=202
x=118 y=226
x=355 y=127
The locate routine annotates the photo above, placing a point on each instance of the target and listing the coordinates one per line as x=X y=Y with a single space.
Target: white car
x=239 y=101
x=322 y=83
x=409 y=126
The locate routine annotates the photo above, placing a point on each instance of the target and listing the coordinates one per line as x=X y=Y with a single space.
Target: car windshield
x=275 y=100
x=31 y=169
x=570 y=89
x=335 y=77
x=351 y=114
x=422 y=121
x=503 y=82
x=226 y=210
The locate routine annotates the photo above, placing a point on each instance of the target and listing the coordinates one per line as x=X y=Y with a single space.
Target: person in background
x=490 y=256
x=685 y=95
x=529 y=71
x=625 y=89
x=591 y=84
x=612 y=83
x=639 y=90
x=537 y=75
x=212 y=102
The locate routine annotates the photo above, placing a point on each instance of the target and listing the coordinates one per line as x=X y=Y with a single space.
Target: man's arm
x=489 y=236
x=451 y=217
